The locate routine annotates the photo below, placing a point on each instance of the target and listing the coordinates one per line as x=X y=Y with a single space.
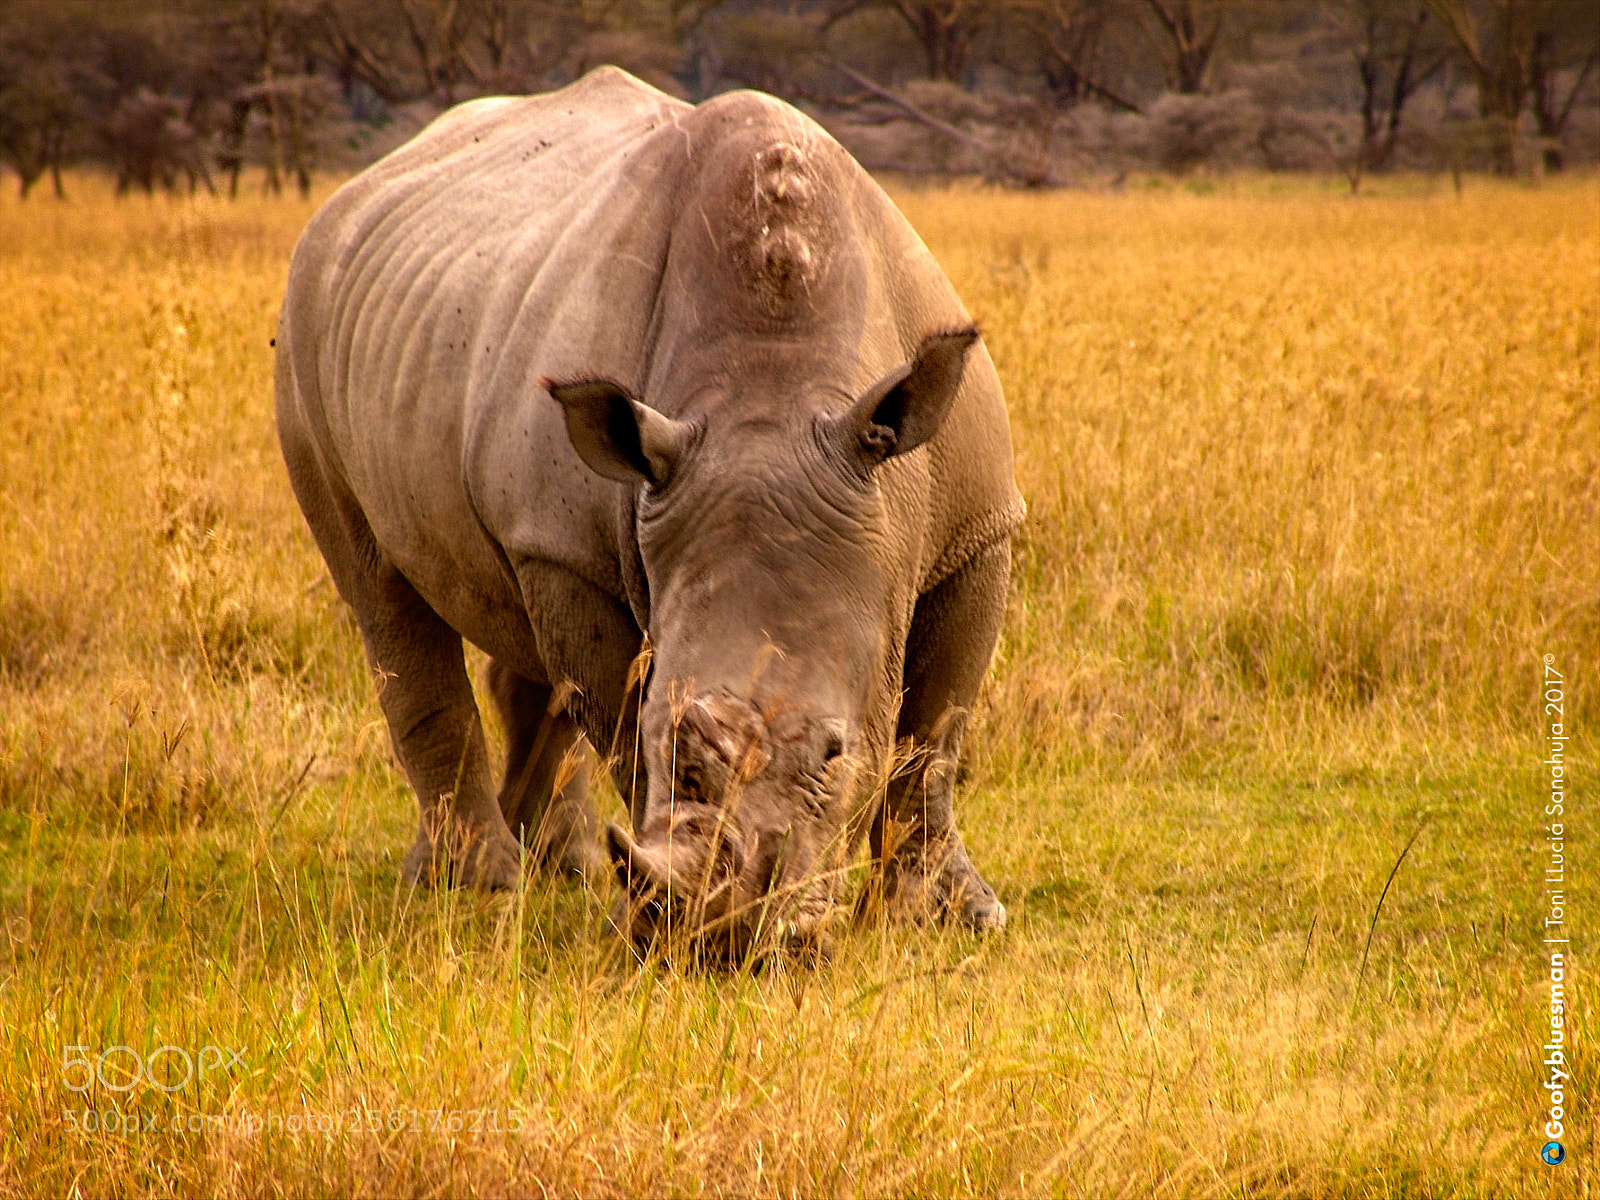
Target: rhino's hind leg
x=925 y=870
x=544 y=795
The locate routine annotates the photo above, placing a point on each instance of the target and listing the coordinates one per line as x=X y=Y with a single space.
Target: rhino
x=668 y=410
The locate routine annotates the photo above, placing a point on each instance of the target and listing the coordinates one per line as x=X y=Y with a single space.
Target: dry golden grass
x=1313 y=484
x=1329 y=455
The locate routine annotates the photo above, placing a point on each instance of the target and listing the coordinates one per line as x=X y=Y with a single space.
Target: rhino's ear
x=616 y=435
x=906 y=407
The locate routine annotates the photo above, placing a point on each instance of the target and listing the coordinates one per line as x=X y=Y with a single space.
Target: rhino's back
x=471 y=219
x=512 y=237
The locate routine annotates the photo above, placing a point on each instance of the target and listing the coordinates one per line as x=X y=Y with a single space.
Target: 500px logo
x=167 y=1068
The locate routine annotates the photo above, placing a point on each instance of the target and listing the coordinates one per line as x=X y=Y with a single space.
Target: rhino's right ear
x=616 y=435
x=906 y=407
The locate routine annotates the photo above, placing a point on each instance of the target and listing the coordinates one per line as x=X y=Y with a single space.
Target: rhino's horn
x=639 y=869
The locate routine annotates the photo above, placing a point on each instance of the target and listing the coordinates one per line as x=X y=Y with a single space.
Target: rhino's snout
x=699 y=882
x=740 y=799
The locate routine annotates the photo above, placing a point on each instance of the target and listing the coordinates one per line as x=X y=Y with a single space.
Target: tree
x=772 y=51
x=450 y=50
x=1498 y=39
x=1070 y=35
x=1570 y=44
x=37 y=112
x=42 y=77
x=293 y=106
x=1187 y=30
x=1396 y=50
x=150 y=143
x=446 y=50
x=358 y=44
x=945 y=29
x=459 y=44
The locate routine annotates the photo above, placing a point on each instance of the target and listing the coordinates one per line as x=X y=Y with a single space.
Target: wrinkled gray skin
x=572 y=368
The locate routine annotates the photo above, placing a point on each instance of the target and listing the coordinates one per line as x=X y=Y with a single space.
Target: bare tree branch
x=1002 y=164
x=906 y=106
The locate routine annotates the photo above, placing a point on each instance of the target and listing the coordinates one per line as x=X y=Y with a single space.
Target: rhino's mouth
x=717 y=904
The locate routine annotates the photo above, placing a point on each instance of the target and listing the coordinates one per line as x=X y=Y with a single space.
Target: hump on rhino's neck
x=766 y=233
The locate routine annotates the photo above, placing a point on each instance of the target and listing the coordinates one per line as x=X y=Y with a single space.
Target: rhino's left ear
x=906 y=407
x=616 y=435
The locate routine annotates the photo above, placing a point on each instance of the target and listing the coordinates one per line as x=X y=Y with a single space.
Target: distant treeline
x=188 y=93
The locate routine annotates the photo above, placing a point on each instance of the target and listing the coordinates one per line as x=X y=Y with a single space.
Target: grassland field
x=1314 y=486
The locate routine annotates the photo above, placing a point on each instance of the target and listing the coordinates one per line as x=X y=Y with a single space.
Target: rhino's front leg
x=588 y=639
x=544 y=793
x=422 y=679
x=438 y=737
x=925 y=868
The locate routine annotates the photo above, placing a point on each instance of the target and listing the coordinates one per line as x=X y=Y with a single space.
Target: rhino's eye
x=832 y=748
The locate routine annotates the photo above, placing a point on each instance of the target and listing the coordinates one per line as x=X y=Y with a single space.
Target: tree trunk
x=1367 y=70
x=941 y=45
x=272 y=182
x=1500 y=64
x=1407 y=79
x=1193 y=38
x=28 y=164
x=1500 y=106
x=1549 y=112
x=299 y=152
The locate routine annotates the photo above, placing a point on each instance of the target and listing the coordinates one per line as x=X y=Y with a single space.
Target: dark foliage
x=175 y=94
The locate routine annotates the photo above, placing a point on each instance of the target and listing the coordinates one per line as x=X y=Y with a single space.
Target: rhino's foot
x=491 y=862
x=939 y=883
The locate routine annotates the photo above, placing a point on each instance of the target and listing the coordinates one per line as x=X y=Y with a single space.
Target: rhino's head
x=761 y=532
